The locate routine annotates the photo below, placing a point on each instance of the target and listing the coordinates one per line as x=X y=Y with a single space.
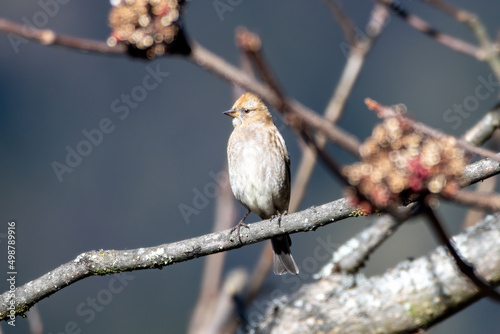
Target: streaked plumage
x=259 y=170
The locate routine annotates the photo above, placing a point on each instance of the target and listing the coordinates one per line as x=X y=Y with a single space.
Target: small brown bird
x=259 y=170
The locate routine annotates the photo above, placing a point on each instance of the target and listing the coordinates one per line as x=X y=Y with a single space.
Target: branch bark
x=412 y=296
x=106 y=262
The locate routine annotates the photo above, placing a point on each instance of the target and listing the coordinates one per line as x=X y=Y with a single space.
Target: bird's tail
x=282 y=259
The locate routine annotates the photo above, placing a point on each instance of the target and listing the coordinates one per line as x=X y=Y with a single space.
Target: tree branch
x=354 y=252
x=350 y=73
x=211 y=62
x=413 y=295
x=484 y=129
x=424 y=27
x=205 y=59
x=344 y=21
x=385 y=111
x=49 y=37
x=465 y=268
x=477 y=27
x=106 y=262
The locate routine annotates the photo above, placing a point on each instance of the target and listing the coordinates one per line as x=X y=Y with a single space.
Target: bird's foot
x=240 y=225
x=279 y=215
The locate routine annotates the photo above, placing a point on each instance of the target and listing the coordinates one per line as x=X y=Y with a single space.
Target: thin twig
x=303 y=115
x=205 y=59
x=385 y=111
x=35 y=321
x=484 y=129
x=447 y=40
x=225 y=310
x=458 y=14
x=49 y=37
x=332 y=164
x=468 y=270
x=474 y=215
x=344 y=21
x=225 y=216
x=479 y=171
x=477 y=27
x=354 y=252
x=476 y=199
x=487 y=186
x=259 y=273
x=251 y=44
x=333 y=111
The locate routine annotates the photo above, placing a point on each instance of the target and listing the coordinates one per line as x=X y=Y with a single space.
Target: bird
x=259 y=171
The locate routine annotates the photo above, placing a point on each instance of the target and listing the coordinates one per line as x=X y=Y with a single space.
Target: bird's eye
x=246 y=111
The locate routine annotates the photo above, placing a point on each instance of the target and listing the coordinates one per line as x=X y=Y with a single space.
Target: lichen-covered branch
x=105 y=262
x=484 y=129
x=411 y=296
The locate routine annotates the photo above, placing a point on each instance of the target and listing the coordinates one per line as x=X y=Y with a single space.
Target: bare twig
x=458 y=14
x=305 y=116
x=468 y=270
x=479 y=171
x=475 y=24
x=487 y=186
x=354 y=252
x=49 y=37
x=350 y=74
x=225 y=313
x=259 y=274
x=344 y=21
x=35 y=321
x=474 y=215
x=478 y=200
x=225 y=216
x=385 y=111
x=250 y=43
x=484 y=129
x=447 y=40
x=205 y=59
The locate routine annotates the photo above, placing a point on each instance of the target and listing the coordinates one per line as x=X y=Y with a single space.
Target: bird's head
x=249 y=109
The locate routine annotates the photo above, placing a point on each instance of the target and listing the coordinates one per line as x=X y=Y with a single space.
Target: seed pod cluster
x=150 y=27
x=398 y=162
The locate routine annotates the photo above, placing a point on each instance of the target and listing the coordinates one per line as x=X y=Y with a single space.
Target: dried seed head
x=398 y=162
x=150 y=27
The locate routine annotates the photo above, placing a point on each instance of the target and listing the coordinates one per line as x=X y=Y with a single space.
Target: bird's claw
x=279 y=215
x=238 y=228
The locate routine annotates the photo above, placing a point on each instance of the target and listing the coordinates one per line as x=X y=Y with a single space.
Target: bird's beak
x=231 y=113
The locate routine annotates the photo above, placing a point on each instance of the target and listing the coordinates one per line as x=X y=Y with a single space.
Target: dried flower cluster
x=150 y=26
x=398 y=162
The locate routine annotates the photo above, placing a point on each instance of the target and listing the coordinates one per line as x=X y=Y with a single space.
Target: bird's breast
x=258 y=171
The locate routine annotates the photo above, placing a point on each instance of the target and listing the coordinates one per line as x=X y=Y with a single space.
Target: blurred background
x=126 y=193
